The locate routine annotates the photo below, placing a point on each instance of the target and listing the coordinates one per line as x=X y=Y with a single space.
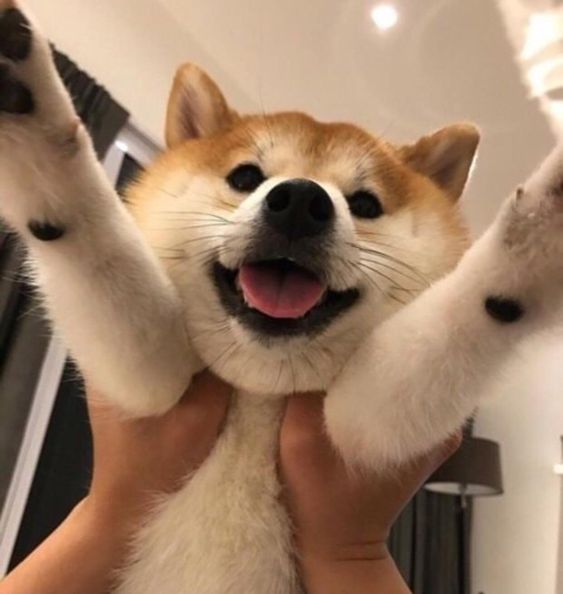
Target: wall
x=133 y=47
x=516 y=536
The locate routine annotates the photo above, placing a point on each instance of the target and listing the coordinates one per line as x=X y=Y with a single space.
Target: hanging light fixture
x=473 y=471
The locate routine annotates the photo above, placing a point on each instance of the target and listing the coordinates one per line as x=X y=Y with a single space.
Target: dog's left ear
x=196 y=107
x=445 y=156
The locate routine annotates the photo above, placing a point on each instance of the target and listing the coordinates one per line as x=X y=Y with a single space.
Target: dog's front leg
x=105 y=291
x=422 y=373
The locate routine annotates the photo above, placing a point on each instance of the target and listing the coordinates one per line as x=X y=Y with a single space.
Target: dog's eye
x=245 y=178
x=365 y=205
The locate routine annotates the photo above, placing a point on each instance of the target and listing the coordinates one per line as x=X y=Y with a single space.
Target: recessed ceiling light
x=384 y=16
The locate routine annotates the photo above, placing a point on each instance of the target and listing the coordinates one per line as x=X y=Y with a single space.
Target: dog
x=287 y=255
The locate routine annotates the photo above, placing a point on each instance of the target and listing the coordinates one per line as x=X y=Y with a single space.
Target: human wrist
x=329 y=553
x=105 y=520
x=331 y=569
x=364 y=569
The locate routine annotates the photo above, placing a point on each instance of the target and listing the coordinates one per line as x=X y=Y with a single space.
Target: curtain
x=100 y=113
x=430 y=543
x=23 y=340
x=65 y=460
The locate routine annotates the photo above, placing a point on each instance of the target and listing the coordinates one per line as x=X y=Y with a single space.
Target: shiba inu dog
x=286 y=255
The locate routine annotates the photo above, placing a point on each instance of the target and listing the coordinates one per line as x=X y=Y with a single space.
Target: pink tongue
x=280 y=293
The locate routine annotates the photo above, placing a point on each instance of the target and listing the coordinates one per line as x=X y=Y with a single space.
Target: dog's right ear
x=196 y=107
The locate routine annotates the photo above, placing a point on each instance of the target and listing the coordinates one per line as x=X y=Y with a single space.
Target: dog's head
x=290 y=239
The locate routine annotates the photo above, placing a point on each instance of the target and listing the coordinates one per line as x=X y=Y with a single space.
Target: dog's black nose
x=298 y=208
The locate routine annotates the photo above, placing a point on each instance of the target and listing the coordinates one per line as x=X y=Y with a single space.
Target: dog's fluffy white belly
x=226 y=530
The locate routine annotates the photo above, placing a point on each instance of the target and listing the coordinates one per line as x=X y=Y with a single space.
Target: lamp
x=473 y=471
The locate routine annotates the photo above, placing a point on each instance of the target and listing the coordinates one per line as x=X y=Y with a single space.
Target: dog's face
x=290 y=239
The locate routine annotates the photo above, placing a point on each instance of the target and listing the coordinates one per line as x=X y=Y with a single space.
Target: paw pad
x=45 y=231
x=15 y=35
x=504 y=310
x=15 y=97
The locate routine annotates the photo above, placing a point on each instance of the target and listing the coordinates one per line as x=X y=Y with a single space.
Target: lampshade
x=474 y=470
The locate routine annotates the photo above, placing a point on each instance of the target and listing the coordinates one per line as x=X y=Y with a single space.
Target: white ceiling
x=446 y=60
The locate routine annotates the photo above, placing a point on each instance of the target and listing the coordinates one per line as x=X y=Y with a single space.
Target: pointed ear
x=445 y=156
x=196 y=107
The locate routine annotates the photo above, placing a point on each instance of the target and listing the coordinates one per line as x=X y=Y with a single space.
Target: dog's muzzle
x=282 y=287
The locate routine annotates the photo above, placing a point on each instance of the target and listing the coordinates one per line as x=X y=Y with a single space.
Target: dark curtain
x=23 y=340
x=63 y=471
x=100 y=113
x=430 y=543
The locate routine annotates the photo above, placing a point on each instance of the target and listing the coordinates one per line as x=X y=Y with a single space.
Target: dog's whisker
x=209 y=255
x=312 y=367
x=223 y=327
x=230 y=351
x=190 y=193
x=371 y=280
x=393 y=259
x=293 y=378
x=187 y=227
x=168 y=249
x=389 y=293
x=280 y=370
x=196 y=239
x=393 y=269
x=391 y=280
x=189 y=214
x=368 y=244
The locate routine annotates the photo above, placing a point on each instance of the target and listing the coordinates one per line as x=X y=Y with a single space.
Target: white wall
x=133 y=47
x=516 y=536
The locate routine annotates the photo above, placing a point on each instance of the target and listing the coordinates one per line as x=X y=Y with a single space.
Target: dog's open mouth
x=280 y=297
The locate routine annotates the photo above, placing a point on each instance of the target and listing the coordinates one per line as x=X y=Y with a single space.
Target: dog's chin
x=330 y=306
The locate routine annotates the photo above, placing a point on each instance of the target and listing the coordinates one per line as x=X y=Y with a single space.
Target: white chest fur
x=226 y=530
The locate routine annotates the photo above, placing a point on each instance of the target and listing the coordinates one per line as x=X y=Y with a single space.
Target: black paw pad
x=15 y=35
x=15 y=97
x=45 y=231
x=504 y=310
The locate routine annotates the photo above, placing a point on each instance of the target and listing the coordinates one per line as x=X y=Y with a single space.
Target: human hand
x=342 y=516
x=134 y=459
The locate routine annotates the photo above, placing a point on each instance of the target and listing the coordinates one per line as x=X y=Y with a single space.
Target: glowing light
x=384 y=16
x=542 y=76
x=558 y=469
x=122 y=146
x=543 y=29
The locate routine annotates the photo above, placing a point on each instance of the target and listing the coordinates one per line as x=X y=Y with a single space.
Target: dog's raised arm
x=422 y=373
x=104 y=289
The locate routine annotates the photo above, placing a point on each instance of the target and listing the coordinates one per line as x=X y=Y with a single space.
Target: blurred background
x=400 y=69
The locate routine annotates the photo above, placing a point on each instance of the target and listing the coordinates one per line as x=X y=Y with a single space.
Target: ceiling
x=445 y=60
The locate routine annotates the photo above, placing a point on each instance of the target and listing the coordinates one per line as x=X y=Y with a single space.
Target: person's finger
x=417 y=472
x=198 y=419
x=433 y=460
x=302 y=428
x=304 y=413
x=207 y=390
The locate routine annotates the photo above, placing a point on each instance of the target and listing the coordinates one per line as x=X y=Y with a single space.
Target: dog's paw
x=39 y=130
x=529 y=236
